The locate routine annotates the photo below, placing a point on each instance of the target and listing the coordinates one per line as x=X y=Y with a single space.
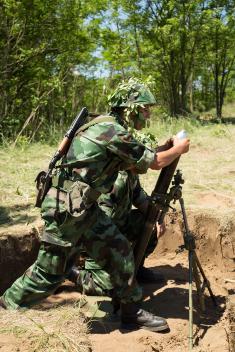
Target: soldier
x=126 y=192
x=73 y=218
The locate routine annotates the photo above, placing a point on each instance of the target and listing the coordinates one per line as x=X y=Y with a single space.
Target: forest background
x=58 y=56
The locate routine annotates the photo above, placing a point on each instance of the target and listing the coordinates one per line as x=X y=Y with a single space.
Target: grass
x=209 y=167
x=58 y=329
x=227 y=112
x=18 y=169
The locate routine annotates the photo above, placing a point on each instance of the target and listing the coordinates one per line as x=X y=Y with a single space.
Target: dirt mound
x=215 y=239
x=18 y=250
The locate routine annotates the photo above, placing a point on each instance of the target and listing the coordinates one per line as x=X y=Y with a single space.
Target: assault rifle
x=44 y=178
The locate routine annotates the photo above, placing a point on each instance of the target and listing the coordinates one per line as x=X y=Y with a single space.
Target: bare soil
x=214 y=230
x=170 y=299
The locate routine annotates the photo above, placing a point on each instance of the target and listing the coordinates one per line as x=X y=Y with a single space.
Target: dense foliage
x=57 y=56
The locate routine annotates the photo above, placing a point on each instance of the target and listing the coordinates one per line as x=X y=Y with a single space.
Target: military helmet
x=130 y=95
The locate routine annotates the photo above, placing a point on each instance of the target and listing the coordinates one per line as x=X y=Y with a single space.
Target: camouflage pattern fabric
x=125 y=193
x=73 y=218
x=117 y=204
x=93 y=280
x=131 y=94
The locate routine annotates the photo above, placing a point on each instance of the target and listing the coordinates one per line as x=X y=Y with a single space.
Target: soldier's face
x=145 y=111
x=140 y=119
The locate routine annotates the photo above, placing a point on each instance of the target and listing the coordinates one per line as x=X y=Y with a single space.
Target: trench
x=17 y=253
x=215 y=248
x=215 y=241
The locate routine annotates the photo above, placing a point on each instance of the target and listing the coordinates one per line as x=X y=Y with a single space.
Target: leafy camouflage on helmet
x=131 y=94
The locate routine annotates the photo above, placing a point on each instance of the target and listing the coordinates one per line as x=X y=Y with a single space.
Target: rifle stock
x=44 y=178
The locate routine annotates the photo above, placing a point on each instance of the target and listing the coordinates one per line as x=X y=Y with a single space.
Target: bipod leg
x=197 y=280
x=206 y=282
x=189 y=244
x=190 y=259
x=194 y=265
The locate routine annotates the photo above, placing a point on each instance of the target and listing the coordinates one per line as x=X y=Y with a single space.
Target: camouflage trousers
x=65 y=234
x=93 y=279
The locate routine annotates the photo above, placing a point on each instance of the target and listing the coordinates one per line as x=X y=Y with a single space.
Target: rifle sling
x=95 y=121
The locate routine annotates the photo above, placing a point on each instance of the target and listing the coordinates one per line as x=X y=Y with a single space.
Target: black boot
x=133 y=317
x=146 y=275
x=74 y=275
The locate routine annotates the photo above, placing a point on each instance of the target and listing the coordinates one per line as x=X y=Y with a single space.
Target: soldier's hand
x=181 y=145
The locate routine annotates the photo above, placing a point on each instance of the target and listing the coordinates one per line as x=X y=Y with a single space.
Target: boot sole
x=149 y=328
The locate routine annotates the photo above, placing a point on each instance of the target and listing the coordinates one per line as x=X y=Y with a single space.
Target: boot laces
x=147 y=314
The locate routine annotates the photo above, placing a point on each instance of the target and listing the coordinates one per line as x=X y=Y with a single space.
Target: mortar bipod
x=194 y=264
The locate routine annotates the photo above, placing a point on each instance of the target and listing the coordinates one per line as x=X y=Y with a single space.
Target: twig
x=229 y=280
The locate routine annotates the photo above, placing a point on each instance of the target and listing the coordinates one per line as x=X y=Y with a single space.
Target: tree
x=40 y=44
x=220 y=54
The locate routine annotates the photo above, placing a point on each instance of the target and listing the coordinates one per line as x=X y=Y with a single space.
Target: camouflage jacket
x=97 y=154
x=92 y=165
x=125 y=193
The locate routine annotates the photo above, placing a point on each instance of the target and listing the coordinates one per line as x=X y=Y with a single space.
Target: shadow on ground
x=214 y=121
x=168 y=299
x=170 y=302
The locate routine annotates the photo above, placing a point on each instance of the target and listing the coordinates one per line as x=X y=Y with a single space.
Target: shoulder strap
x=93 y=122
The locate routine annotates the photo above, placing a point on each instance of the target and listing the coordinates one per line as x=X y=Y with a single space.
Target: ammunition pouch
x=81 y=197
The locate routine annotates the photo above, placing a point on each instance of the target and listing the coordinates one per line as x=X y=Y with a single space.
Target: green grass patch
x=208 y=167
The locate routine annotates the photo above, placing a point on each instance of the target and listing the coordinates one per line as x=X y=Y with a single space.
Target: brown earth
x=215 y=237
x=215 y=244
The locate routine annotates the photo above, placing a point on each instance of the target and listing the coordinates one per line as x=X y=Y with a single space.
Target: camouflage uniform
x=74 y=219
x=117 y=204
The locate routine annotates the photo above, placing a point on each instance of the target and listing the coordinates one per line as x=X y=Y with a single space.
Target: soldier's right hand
x=165 y=157
x=181 y=145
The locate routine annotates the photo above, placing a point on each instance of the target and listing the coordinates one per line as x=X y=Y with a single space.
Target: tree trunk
x=217 y=95
x=190 y=88
x=216 y=74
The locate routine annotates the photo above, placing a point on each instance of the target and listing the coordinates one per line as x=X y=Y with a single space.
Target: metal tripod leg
x=190 y=259
x=206 y=282
x=194 y=268
x=197 y=280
